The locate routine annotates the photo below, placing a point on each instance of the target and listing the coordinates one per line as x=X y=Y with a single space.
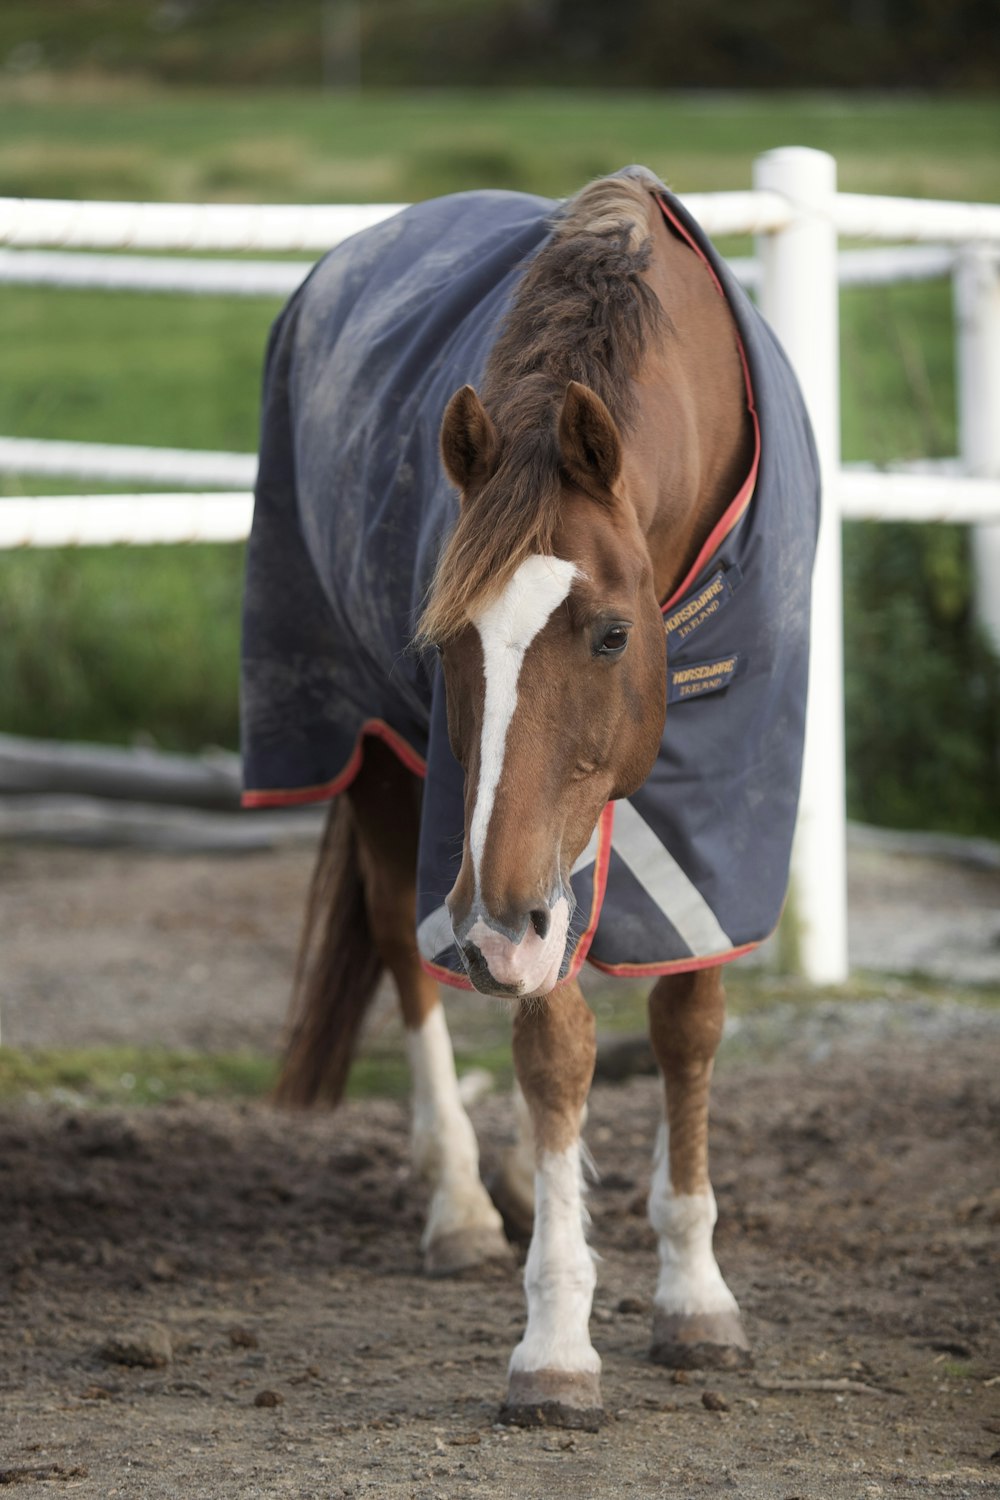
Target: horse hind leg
x=696 y=1320
x=555 y=1371
x=463 y=1229
x=512 y=1185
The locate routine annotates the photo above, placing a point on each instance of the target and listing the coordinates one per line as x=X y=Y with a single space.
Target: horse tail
x=336 y=971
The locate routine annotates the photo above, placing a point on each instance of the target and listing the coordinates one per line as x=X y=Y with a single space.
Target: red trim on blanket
x=447 y=976
x=605 y=823
x=735 y=509
x=676 y=966
x=327 y=789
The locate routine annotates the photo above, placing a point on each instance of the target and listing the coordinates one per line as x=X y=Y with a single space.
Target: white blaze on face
x=507 y=627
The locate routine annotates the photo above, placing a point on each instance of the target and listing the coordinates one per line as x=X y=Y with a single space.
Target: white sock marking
x=506 y=629
x=444 y=1143
x=559 y=1276
x=690 y=1280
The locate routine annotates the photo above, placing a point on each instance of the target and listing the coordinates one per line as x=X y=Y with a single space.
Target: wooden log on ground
x=210 y=780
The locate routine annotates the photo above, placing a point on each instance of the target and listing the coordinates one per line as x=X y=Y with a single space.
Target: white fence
x=797 y=215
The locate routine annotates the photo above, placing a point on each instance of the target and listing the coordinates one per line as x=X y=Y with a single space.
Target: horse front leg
x=696 y=1320
x=463 y=1228
x=555 y=1371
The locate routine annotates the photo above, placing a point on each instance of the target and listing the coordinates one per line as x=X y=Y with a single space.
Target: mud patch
x=278 y=1259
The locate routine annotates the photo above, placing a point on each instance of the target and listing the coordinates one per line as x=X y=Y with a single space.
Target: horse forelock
x=583 y=312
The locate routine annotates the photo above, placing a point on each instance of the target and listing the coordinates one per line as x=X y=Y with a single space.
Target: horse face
x=556 y=701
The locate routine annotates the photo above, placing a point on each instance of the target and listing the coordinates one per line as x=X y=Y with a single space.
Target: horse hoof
x=463 y=1249
x=701 y=1341
x=553 y=1398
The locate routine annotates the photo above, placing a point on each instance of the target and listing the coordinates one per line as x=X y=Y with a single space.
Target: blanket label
x=688 y=616
x=700 y=677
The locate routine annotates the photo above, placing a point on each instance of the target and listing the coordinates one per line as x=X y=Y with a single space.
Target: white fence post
x=977 y=324
x=799 y=297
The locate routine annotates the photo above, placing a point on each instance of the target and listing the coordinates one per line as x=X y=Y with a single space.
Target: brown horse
x=611 y=448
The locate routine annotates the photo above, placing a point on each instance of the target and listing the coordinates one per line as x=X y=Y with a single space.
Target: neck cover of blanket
x=352 y=510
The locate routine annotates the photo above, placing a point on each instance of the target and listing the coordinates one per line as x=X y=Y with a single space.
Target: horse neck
x=692 y=444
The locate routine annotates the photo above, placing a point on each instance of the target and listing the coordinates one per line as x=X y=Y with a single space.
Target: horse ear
x=589 y=444
x=469 y=440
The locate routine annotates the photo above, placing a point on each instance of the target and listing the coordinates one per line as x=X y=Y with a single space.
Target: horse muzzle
x=503 y=959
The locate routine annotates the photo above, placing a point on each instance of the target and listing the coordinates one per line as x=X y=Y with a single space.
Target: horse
x=528 y=599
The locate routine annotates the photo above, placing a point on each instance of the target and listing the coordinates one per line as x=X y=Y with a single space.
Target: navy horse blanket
x=352 y=511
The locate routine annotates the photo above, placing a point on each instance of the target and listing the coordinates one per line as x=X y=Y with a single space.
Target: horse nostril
x=540 y=919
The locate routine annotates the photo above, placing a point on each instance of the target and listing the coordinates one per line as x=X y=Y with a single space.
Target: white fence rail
x=184 y=226
x=152 y=273
x=902 y=495
x=797 y=214
x=280 y=278
x=288 y=228
x=129 y=465
x=134 y=520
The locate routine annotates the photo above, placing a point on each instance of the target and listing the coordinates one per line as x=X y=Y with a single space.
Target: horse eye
x=613 y=641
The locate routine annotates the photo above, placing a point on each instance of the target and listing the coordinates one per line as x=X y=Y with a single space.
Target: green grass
x=140 y=1076
x=118 y=643
x=897 y=350
x=131 y=1075
x=99 y=367
x=112 y=140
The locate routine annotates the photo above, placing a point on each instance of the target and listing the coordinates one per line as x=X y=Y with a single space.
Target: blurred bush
x=122 y=644
x=922 y=687
x=926 y=44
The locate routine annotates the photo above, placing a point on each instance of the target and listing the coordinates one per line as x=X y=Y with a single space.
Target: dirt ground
x=266 y=1267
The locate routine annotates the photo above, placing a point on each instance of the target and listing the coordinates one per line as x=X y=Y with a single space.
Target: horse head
x=554 y=670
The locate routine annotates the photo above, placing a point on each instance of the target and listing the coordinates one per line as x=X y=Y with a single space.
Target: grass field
x=113 y=644
x=137 y=1076
x=85 y=141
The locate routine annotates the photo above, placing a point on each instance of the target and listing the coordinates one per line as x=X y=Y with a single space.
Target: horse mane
x=581 y=312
